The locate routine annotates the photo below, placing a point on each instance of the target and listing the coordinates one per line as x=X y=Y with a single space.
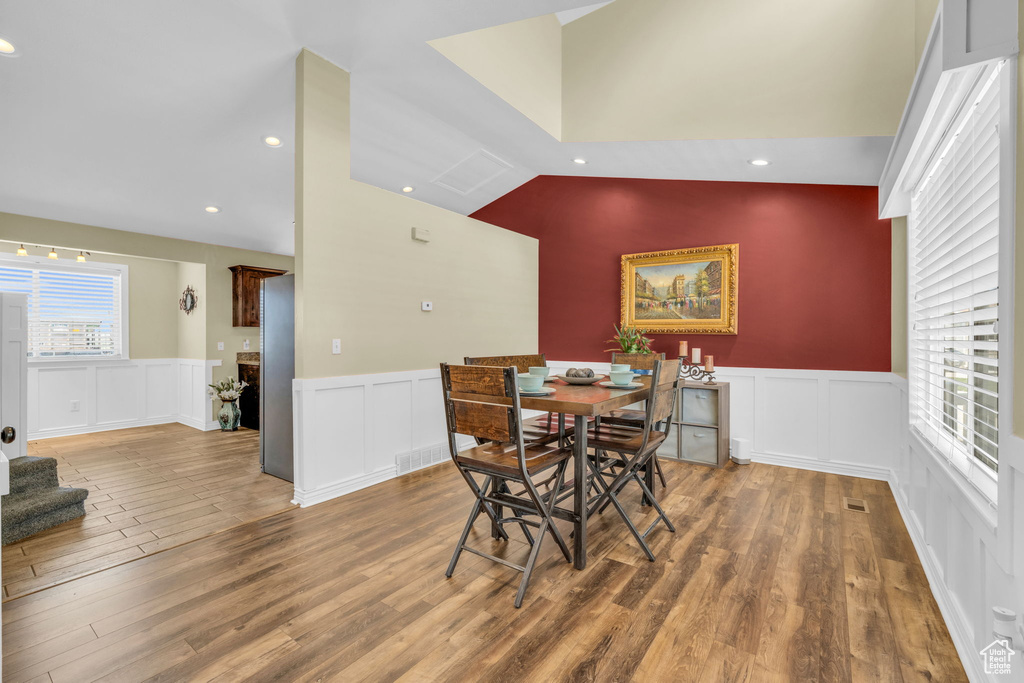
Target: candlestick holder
x=688 y=370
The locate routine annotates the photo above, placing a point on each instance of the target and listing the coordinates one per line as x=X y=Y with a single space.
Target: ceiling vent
x=471 y=173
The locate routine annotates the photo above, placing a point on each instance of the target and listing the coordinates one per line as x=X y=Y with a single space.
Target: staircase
x=37 y=502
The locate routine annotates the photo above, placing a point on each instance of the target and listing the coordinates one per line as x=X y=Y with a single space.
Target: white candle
x=695 y=359
x=709 y=363
x=683 y=348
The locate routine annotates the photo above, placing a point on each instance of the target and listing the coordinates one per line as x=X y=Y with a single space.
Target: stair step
x=32 y=473
x=19 y=507
x=13 y=532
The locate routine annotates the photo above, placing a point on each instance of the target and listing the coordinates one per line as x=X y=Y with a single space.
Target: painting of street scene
x=682 y=290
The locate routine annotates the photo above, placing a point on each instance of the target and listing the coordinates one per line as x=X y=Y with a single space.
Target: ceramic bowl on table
x=530 y=383
x=580 y=380
x=540 y=371
x=622 y=377
x=620 y=367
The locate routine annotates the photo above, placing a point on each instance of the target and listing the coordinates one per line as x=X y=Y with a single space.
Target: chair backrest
x=664 y=383
x=638 y=361
x=521 y=363
x=481 y=401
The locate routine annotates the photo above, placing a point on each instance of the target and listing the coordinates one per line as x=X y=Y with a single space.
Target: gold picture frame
x=690 y=291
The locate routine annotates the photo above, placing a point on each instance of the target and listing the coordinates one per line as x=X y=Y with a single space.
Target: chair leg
x=632 y=528
x=661 y=513
x=555 y=533
x=528 y=569
x=462 y=539
x=661 y=474
x=496 y=486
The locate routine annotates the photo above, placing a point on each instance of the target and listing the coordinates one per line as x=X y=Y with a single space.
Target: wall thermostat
x=421 y=234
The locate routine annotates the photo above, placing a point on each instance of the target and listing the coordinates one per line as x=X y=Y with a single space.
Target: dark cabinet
x=245 y=293
x=249 y=401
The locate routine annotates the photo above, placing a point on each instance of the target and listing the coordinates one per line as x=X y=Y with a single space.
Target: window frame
x=65 y=265
x=978 y=477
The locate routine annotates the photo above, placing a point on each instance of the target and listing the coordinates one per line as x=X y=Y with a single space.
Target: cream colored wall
x=691 y=69
x=898 y=309
x=360 y=277
x=217 y=259
x=520 y=62
x=192 y=327
x=924 y=15
x=152 y=301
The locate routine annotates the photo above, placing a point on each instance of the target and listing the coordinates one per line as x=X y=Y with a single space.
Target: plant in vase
x=630 y=340
x=228 y=390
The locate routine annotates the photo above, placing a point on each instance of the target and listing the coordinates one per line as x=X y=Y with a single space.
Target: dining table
x=583 y=401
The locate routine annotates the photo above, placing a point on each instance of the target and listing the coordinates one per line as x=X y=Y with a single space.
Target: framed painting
x=682 y=291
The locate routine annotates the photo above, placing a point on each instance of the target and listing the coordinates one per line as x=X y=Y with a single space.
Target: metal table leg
x=579 y=497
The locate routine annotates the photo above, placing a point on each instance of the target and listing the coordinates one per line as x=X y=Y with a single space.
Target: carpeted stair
x=37 y=501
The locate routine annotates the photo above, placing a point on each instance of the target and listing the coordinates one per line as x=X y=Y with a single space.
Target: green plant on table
x=630 y=340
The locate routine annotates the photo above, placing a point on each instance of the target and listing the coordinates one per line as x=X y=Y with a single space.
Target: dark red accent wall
x=814 y=264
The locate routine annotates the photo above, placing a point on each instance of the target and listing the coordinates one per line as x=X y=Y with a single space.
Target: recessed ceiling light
x=213 y=209
x=7 y=48
x=271 y=141
x=759 y=162
x=577 y=160
x=408 y=189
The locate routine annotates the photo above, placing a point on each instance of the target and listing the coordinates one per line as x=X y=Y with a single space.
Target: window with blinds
x=953 y=275
x=74 y=311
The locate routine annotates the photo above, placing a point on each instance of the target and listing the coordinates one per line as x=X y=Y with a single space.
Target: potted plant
x=630 y=340
x=228 y=390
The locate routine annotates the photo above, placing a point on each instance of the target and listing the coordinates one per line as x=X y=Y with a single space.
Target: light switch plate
x=336 y=347
x=76 y=405
x=220 y=346
x=245 y=345
x=427 y=306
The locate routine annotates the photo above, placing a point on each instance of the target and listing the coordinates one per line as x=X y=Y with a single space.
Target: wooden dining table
x=583 y=401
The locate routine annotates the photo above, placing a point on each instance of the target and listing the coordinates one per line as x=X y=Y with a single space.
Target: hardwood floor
x=767 y=579
x=150 y=489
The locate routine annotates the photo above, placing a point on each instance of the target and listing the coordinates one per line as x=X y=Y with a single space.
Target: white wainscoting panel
x=970 y=548
x=78 y=397
x=350 y=431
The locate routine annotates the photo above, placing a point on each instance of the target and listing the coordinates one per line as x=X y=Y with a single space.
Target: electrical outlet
x=245 y=345
x=76 y=406
x=336 y=347
x=427 y=306
x=220 y=346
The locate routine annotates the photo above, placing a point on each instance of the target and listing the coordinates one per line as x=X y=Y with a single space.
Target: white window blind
x=74 y=311
x=954 y=285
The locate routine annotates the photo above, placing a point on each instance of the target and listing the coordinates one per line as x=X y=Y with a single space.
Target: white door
x=14 y=374
x=13 y=384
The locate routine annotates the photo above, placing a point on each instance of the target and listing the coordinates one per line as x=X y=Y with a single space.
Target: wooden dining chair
x=483 y=402
x=634 y=448
x=541 y=428
x=632 y=417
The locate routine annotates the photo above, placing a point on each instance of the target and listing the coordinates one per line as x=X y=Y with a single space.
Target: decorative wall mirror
x=189 y=300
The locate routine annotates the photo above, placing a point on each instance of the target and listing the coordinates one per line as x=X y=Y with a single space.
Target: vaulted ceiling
x=137 y=115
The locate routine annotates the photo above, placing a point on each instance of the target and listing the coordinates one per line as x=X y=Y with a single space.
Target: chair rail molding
x=72 y=397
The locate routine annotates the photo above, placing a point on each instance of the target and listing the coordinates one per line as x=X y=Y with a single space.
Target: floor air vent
x=854 y=505
x=420 y=458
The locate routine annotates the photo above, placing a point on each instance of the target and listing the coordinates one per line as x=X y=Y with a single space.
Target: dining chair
x=634 y=448
x=632 y=417
x=541 y=428
x=483 y=402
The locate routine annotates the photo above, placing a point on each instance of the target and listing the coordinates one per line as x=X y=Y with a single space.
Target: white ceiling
x=135 y=115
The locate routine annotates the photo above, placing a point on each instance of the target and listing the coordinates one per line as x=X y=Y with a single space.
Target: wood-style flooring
x=150 y=489
x=767 y=579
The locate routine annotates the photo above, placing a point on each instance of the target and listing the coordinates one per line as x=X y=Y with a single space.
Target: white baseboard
x=848 y=469
x=93 y=429
x=952 y=613
x=340 y=488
